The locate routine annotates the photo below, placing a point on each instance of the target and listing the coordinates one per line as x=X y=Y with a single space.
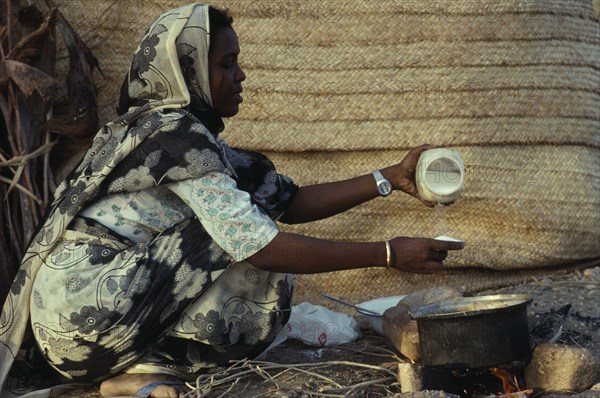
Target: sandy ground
x=567 y=303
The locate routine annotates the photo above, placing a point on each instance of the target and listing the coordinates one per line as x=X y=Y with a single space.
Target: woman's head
x=179 y=64
x=225 y=74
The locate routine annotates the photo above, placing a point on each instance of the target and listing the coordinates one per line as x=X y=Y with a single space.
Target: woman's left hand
x=403 y=175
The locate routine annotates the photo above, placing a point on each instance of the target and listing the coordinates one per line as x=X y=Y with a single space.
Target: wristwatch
x=384 y=186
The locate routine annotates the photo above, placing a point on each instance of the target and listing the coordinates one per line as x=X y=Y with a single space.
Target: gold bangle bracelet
x=388 y=255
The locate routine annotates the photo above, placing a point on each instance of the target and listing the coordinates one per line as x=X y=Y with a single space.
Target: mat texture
x=339 y=88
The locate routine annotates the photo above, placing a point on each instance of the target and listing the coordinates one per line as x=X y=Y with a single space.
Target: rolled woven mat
x=322 y=66
x=520 y=208
x=359 y=285
x=339 y=88
x=517 y=212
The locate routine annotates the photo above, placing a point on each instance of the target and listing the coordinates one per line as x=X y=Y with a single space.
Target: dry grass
x=35 y=108
x=281 y=376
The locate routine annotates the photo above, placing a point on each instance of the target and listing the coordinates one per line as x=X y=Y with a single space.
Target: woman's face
x=226 y=75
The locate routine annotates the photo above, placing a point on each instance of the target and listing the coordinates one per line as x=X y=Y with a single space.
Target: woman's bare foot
x=127 y=384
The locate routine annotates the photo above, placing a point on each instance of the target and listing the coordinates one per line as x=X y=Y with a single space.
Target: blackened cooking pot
x=473 y=332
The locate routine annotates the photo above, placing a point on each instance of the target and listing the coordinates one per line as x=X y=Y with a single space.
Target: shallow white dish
x=378 y=305
x=448 y=239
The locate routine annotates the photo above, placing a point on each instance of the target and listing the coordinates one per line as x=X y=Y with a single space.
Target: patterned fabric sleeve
x=254 y=172
x=227 y=214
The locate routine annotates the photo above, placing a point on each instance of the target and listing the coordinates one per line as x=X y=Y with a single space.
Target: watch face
x=385 y=188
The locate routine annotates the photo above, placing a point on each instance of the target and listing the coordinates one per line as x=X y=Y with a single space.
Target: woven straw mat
x=336 y=89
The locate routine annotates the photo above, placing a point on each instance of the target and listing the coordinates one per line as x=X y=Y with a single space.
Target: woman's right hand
x=421 y=255
x=403 y=175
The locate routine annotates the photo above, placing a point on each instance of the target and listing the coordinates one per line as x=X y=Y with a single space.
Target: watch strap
x=380 y=179
x=378 y=176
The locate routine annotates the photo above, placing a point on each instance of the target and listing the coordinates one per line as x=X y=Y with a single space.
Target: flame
x=509 y=381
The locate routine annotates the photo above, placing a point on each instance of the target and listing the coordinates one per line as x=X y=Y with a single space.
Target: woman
x=160 y=255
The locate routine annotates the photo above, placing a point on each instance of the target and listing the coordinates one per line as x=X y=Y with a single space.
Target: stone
x=556 y=367
x=592 y=273
x=409 y=377
x=398 y=326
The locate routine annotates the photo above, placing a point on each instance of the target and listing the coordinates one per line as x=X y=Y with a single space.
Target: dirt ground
x=367 y=367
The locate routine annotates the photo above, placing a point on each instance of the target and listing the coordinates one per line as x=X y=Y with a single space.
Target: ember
x=509 y=380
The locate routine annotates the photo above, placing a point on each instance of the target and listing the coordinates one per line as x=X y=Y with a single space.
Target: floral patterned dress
x=91 y=292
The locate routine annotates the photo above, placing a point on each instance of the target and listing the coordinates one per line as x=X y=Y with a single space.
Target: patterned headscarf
x=162 y=60
x=166 y=132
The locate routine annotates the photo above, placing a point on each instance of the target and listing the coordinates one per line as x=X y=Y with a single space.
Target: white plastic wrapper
x=317 y=326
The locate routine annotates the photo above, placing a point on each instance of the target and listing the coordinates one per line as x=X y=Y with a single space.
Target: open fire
x=474 y=346
x=510 y=383
x=470 y=383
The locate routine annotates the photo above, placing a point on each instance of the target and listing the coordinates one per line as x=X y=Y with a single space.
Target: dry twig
x=28 y=94
x=330 y=389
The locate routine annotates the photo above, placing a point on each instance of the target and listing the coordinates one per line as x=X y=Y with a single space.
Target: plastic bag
x=318 y=326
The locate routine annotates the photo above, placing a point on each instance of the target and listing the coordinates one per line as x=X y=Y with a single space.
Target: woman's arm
x=289 y=252
x=315 y=202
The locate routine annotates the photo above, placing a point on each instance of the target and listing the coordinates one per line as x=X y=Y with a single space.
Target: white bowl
x=378 y=305
x=448 y=239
